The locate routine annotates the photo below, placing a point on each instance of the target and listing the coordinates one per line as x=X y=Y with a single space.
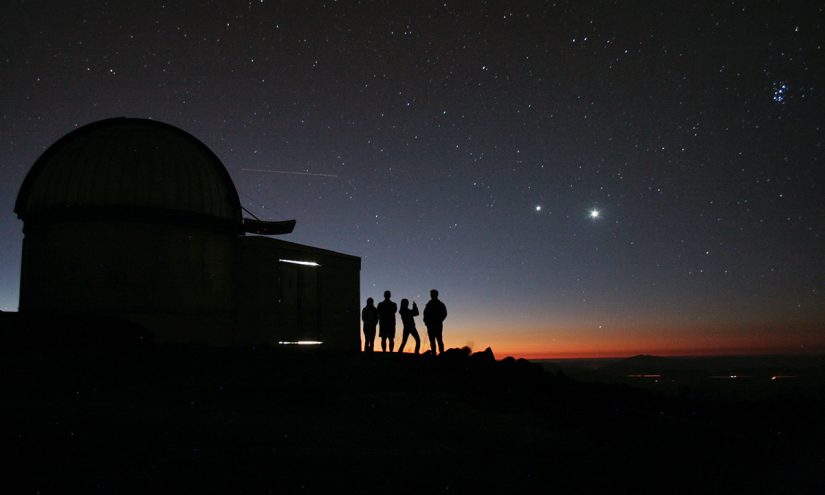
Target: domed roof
x=121 y=167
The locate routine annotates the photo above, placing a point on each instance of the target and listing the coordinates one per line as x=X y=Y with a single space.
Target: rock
x=484 y=358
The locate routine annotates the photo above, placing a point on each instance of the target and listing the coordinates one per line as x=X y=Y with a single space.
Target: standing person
x=369 y=315
x=434 y=315
x=407 y=319
x=386 y=321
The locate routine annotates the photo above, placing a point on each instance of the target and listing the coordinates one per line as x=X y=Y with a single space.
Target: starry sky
x=464 y=146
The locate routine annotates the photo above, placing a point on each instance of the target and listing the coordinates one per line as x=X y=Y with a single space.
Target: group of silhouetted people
x=383 y=316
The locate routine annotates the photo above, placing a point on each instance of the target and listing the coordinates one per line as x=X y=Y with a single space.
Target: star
x=538 y=208
x=594 y=213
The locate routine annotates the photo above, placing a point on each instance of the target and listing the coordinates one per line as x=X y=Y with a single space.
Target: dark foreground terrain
x=270 y=421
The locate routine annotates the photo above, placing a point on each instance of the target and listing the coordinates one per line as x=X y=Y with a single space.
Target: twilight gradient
x=465 y=147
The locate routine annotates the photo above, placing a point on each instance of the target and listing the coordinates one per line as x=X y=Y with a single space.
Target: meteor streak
x=289 y=172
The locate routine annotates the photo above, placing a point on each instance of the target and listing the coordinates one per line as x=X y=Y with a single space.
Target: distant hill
x=714 y=364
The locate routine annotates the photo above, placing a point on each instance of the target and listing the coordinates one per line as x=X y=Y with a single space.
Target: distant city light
x=300 y=342
x=304 y=263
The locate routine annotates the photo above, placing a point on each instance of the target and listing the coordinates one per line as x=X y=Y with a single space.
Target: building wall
x=339 y=298
x=176 y=280
x=192 y=285
x=282 y=301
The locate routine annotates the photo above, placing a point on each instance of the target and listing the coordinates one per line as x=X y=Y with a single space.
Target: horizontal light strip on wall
x=296 y=262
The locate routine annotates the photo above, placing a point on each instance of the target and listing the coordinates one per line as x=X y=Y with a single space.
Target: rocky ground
x=269 y=421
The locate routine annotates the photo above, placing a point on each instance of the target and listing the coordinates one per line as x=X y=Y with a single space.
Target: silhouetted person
x=369 y=315
x=386 y=321
x=407 y=319
x=434 y=315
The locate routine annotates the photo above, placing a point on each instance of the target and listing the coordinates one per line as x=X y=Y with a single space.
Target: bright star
x=538 y=207
x=594 y=213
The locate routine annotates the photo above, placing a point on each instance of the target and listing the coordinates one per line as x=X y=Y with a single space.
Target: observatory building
x=139 y=220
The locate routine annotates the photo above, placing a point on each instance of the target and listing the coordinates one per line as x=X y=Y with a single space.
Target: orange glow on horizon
x=579 y=343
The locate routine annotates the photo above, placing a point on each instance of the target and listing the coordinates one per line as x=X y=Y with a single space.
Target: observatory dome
x=126 y=168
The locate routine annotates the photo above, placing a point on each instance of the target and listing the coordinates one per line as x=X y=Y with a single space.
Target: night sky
x=466 y=147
